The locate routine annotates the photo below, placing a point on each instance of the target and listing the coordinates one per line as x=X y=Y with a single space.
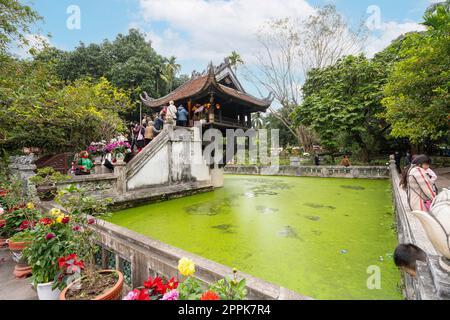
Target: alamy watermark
x=73 y=22
x=218 y=148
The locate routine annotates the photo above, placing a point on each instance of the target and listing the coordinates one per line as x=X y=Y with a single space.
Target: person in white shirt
x=171 y=116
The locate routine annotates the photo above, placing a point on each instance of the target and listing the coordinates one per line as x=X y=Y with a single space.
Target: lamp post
x=140 y=112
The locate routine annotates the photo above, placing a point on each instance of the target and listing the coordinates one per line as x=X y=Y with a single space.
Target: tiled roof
x=196 y=86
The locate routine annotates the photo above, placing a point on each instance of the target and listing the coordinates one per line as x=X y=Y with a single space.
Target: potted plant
x=77 y=281
x=92 y=285
x=96 y=150
x=45 y=181
x=119 y=149
x=52 y=238
x=17 y=244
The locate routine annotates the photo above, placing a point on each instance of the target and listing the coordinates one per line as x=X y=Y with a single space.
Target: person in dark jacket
x=182 y=117
x=158 y=124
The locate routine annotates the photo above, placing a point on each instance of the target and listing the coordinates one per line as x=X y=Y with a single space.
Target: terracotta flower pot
x=22 y=269
x=3 y=243
x=46 y=193
x=115 y=293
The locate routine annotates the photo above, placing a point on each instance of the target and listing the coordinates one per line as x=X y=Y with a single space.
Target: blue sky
x=199 y=31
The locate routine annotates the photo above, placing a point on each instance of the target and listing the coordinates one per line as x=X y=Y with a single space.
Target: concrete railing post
x=120 y=171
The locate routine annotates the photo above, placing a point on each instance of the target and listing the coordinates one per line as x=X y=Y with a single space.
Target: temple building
x=215 y=98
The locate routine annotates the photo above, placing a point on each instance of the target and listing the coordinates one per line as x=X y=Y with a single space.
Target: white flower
x=2 y=211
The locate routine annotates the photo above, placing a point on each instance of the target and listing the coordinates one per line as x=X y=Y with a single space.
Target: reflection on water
x=305 y=234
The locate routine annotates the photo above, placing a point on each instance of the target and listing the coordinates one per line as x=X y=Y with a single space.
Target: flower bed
x=189 y=288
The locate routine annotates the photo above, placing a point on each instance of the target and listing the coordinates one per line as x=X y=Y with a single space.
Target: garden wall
x=312 y=171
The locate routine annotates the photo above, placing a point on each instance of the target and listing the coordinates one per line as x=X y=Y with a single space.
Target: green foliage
x=341 y=103
x=15 y=19
x=190 y=289
x=81 y=208
x=417 y=93
x=37 y=109
x=14 y=219
x=129 y=62
x=43 y=254
x=230 y=288
x=48 y=176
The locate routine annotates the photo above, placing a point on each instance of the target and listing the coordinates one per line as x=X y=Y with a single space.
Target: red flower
x=152 y=283
x=91 y=221
x=143 y=295
x=71 y=262
x=26 y=224
x=76 y=228
x=2 y=224
x=172 y=284
x=50 y=236
x=209 y=295
x=46 y=221
x=65 y=220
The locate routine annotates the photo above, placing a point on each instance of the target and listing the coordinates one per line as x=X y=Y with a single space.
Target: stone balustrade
x=369 y=172
x=140 y=257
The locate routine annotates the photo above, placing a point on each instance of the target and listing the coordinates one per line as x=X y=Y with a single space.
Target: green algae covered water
x=319 y=237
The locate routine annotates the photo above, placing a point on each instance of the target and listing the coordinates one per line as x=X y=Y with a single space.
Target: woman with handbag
x=418 y=185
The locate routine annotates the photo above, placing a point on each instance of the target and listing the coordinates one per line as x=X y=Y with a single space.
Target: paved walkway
x=443 y=180
x=10 y=287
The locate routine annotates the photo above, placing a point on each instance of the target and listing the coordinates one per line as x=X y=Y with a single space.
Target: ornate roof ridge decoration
x=206 y=82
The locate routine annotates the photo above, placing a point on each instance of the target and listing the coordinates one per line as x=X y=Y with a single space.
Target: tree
x=129 y=62
x=38 y=109
x=289 y=49
x=341 y=103
x=15 y=19
x=171 y=69
x=417 y=93
x=235 y=60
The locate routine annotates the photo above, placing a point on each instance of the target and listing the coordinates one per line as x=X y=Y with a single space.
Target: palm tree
x=171 y=69
x=235 y=60
x=437 y=15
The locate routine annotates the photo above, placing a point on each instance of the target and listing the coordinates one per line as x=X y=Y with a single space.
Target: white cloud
x=388 y=31
x=210 y=30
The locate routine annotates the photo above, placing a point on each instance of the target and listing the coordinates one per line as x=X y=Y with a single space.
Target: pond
x=319 y=237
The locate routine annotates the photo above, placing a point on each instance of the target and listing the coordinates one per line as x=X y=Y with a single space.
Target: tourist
x=134 y=133
x=158 y=125
x=148 y=133
x=140 y=140
x=345 y=161
x=182 y=116
x=85 y=164
x=108 y=161
x=316 y=160
x=398 y=158
x=418 y=185
x=406 y=257
x=171 y=115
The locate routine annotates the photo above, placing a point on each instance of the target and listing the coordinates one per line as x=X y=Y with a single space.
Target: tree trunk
x=305 y=138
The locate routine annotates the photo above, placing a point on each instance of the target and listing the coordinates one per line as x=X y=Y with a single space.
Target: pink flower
x=132 y=295
x=50 y=236
x=171 y=295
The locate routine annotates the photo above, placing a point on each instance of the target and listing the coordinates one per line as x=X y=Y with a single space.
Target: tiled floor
x=10 y=287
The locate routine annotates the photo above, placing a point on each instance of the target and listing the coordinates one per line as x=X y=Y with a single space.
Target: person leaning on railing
x=418 y=184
